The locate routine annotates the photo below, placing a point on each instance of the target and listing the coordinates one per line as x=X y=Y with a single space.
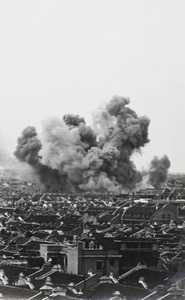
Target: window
x=99 y=265
x=91 y=245
x=112 y=262
x=97 y=246
x=163 y=216
x=168 y=216
x=86 y=245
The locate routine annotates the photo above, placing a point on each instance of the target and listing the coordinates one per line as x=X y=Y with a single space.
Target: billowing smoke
x=158 y=171
x=27 y=151
x=71 y=156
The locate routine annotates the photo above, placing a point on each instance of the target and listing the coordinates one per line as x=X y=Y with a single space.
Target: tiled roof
x=151 y=277
x=105 y=290
x=16 y=293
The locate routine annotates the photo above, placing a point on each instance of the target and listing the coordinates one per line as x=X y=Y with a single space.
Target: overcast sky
x=65 y=56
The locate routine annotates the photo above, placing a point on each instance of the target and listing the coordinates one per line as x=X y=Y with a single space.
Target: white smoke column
x=61 y=147
x=102 y=122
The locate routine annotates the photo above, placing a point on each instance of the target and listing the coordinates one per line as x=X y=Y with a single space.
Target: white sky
x=60 y=57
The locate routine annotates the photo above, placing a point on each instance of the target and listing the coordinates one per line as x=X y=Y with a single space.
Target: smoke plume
x=71 y=156
x=158 y=171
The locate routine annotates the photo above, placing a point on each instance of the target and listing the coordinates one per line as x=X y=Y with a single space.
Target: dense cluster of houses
x=92 y=246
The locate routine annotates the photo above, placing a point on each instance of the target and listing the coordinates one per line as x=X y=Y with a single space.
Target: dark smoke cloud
x=71 y=156
x=28 y=146
x=87 y=135
x=158 y=171
x=27 y=150
x=73 y=120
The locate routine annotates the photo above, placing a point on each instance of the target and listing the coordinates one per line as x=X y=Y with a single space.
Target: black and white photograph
x=92 y=149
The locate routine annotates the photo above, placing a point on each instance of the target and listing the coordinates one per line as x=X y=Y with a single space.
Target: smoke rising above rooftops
x=71 y=156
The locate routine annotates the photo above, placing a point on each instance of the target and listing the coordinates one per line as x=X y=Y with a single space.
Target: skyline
x=73 y=56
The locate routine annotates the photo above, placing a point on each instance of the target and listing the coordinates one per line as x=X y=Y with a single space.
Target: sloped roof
x=104 y=291
x=170 y=206
x=151 y=277
x=144 y=209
